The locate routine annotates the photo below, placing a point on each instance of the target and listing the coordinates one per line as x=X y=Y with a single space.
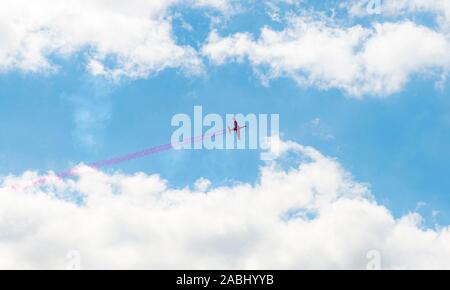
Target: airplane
x=236 y=129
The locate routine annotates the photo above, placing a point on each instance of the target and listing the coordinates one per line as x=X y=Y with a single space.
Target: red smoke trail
x=122 y=159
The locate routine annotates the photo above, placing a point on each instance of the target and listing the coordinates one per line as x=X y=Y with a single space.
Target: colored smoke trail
x=121 y=159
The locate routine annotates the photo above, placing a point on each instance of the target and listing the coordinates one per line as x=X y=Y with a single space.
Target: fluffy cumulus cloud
x=311 y=214
x=358 y=60
x=132 y=38
x=135 y=39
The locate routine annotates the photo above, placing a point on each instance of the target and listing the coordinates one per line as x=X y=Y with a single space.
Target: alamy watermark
x=374 y=7
x=73 y=259
x=374 y=260
x=235 y=131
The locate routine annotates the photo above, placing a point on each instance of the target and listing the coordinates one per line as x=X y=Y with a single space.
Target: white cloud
x=132 y=38
x=319 y=129
x=441 y=8
x=136 y=40
x=360 y=61
x=202 y=184
x=92 y=111
x=311 y=216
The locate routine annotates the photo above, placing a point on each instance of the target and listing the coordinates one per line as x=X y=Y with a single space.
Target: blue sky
x=364 y=108
x=398 y=144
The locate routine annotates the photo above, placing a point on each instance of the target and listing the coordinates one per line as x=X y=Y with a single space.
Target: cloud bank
x=377 y=61
x=132 y=39
x=135 y=40
x=309 y=215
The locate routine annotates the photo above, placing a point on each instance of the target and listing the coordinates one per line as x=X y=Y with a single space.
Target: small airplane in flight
x=236 y=129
